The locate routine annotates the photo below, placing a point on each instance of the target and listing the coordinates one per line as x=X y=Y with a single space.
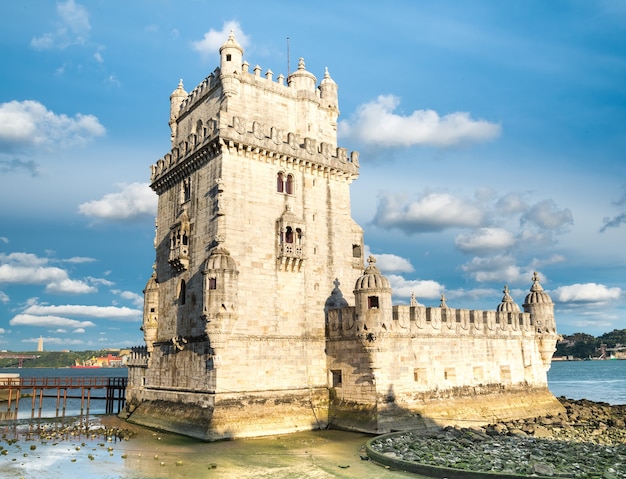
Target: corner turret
x=150 y=312
x=540 y=306
x=372 y=293
x=176 y=99
x=231 y=60
x=329 y=95
x=301 y=79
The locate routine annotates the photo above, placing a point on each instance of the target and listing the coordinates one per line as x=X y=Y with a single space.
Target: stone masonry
x=247 y=331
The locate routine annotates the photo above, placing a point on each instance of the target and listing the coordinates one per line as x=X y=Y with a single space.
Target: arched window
x=280 y=183
x=212 y=283
x=289 y=235
x=298 y=236
x=289 y=185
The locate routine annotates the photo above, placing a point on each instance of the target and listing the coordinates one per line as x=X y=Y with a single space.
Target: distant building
x=40 y=344
x=247 y=330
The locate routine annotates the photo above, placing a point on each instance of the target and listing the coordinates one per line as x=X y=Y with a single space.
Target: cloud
x=214 y=39
x=30 y=124
x=485 y=239
x=391 y=263
x=545 y=215
x=73 y=28
x=15 y=165
x=2 y=331
x=511 y=204
x=27 y=268
x=48 y=322
x=586 y=293
x=498 y=268
x=375 y=123
x=404 y=288
x=63 y=341
x=619 y=219
x=133 y=201
x=432 y=212
x=78 y=260
x=134 y=298
x=77 y=310
x=4 y=298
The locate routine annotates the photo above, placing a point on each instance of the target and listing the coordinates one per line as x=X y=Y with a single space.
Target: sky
x=491 y=137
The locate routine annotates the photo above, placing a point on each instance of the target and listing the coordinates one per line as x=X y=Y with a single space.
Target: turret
x=541 y=308
x=507 y=305
x=301 y=79
x=372 y=293
x=231 y=60
x=150 y=312
x=176 y=99
x=328 y=94
x=220 y=291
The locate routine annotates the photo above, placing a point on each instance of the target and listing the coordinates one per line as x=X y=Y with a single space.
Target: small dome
x=372 y=278
x=537 y=295
x=336 y=299
x=220 y=259
x=231 y=43
x=327 y=80
x=507 y=305
x=180 y=91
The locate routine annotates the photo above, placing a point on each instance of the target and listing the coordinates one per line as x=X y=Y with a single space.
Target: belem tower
x=262 y=317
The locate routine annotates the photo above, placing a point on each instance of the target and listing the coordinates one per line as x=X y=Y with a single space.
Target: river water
x=49 y=449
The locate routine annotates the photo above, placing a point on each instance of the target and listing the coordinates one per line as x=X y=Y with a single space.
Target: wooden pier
x=87 y=389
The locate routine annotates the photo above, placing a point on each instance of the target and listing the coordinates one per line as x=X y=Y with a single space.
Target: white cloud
x=48 y=321
x=72 y=29
x=619 y=219
x=30 y=124
x=77 y=310
x=78 y=260
x=404 y=288
x=27 y=268
x=376 y=124
x=133 y=201
x=485 y=239
x=2 y=331
x=4 y=298
x=391 y=263
x=586 y=293
x=79 y=330
x=69 y=286
x=214 y=39
x=510 y=204
x=499 y=268
x=431 y=212
x=63 y=341
x=546 y=215
x=134 y=298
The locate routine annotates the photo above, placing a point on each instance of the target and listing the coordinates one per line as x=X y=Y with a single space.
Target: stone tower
x=253 y=229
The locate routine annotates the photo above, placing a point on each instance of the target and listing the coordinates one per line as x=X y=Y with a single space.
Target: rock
x=543 y=469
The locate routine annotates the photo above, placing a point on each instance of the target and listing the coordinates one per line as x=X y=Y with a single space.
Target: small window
x=356 y=250
x=228 y=57
x=336 y=376
x=372 y=302
x=152 y=310
x=182 y=293
x=186 y=189
x=212 y=283
x=289 y=185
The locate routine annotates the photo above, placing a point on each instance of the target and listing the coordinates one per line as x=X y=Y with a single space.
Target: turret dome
x=336 y=299
x=372 y=278
x=220 y=259
x=507 y=305
x=537 y=295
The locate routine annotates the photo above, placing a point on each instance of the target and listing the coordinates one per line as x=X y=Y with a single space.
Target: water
x=601 y=381
x=48 y=409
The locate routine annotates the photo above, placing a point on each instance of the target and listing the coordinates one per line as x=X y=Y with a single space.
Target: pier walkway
x=87 y=389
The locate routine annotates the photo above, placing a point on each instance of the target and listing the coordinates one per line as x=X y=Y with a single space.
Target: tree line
x=582 y=345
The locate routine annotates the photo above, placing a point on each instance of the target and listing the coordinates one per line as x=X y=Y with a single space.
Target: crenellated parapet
x=415 y=321
x=253 y=139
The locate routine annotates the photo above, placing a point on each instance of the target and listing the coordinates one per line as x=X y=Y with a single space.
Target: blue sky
x=491 y=139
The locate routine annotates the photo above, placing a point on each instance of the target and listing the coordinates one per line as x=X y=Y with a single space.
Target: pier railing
x=112 y=390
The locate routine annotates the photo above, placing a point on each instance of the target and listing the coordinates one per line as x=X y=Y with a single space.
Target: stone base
x=237 y=416
x=434 y=412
